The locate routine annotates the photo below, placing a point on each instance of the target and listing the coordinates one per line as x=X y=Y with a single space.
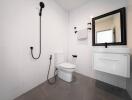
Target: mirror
x=109 y=28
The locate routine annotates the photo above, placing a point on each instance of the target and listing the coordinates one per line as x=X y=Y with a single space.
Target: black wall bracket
x=88 y=27
x=74 y=56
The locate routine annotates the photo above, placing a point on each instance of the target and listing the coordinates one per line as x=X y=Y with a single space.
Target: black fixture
x=123 y=40
x=74 y=56
x=106 y=45
x=89 y=27
x=75 y=28
x=41 y=7
x=89 y=23
x=31 y=48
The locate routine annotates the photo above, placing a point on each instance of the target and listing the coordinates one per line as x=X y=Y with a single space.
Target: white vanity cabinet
x=115 y=61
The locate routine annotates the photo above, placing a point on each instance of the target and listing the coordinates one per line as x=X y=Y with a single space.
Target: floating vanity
x=112 y=60
x=109 y=30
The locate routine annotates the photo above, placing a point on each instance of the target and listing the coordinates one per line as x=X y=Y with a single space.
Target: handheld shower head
x=41 y=7
x=41 y=4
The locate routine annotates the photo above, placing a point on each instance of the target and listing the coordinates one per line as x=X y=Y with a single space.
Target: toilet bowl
x=65 y=69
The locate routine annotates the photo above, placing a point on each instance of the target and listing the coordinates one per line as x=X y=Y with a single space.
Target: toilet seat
x=67 y=66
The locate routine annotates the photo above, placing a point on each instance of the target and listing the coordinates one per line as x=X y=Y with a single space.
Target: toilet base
x=66 y=76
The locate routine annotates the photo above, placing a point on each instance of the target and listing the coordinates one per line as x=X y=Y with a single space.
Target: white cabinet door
x=117 y=64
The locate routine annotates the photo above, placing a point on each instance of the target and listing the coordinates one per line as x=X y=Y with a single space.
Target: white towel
x=82 y=34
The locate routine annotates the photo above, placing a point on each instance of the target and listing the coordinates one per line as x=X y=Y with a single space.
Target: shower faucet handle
x=74 y=56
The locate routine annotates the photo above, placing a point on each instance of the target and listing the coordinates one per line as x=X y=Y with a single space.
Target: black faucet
x=106 y=45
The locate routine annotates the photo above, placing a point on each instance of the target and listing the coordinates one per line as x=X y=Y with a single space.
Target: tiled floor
x=82 y=88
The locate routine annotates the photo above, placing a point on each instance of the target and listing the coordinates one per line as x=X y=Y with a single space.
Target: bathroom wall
x=129 y=40
x=80 y=17
x=19 y=29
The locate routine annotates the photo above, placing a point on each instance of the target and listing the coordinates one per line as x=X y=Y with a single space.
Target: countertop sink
x=112 y=50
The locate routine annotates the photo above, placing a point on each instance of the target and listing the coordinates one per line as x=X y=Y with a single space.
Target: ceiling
x=71 y=4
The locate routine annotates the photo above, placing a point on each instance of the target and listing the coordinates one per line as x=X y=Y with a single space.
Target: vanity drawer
x=117 y=64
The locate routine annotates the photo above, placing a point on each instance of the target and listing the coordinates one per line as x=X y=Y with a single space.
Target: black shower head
x=41 y=4
x=41 y=7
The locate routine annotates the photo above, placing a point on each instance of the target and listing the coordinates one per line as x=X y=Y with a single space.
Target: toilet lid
x=67 y=65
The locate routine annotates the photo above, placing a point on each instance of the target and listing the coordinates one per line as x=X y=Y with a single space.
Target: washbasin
x=112 y=50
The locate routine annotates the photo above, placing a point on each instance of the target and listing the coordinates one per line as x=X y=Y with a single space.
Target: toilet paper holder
x=74 y=56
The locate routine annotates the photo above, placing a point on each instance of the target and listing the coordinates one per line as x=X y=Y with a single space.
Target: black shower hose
x=39 y=44
x=55 y=73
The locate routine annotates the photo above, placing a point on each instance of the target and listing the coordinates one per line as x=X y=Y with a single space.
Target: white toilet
x=65 y=69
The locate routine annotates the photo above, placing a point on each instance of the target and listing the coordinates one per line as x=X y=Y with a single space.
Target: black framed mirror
x=109 y=28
